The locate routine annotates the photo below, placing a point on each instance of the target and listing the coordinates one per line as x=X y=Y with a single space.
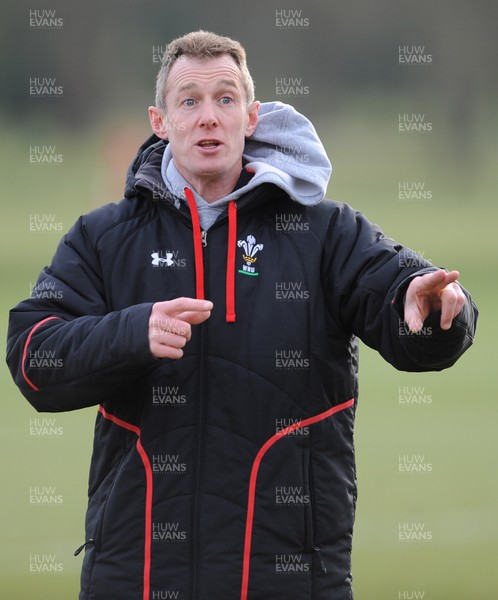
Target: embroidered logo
x=249 y=255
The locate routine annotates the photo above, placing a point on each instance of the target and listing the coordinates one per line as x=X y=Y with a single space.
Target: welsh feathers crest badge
x=249 y=255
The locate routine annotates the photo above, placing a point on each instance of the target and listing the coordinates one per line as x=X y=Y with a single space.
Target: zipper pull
x=204 y=238
x=78 y=550
x=322 y=564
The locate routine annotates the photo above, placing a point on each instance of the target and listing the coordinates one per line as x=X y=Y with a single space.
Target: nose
x=207 y=117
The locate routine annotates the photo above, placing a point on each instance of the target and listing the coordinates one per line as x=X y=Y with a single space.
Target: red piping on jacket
x=148 y=496
x=253 y=482
x=199 y=259
x=25 y=351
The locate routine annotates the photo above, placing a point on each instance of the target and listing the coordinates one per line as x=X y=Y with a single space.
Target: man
x=223 y=463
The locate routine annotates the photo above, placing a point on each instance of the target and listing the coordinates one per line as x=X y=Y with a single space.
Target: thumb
x=413 y=317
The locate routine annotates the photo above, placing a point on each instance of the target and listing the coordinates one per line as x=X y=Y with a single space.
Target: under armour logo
x=157 y=260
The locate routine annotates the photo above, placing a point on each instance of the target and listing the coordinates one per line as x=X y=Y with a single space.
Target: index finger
x=185 y=305
x=437 y=280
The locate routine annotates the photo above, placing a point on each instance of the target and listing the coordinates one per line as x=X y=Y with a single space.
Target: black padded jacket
x=228 y=474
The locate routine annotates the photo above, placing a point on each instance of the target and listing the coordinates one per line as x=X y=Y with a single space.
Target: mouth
x=209 y=144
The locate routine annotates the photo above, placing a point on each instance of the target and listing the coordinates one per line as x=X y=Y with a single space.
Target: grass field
x=453 y=431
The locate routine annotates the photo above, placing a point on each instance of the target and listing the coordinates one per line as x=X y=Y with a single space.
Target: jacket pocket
x=96 y=513
x=94 y=524
x=310 y=514
x=309 y=506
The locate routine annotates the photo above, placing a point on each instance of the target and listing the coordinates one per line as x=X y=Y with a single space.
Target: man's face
x=207 y=119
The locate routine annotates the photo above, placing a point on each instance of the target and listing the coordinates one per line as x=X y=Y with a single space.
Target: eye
x=226 y=100
x=189 y=102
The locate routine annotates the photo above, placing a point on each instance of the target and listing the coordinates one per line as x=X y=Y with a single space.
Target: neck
x=212 y=188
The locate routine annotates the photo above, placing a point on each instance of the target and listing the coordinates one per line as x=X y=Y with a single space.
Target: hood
x=145 y=168
x=285 y=150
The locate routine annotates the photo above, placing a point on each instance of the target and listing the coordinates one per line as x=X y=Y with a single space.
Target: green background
x=348 y=57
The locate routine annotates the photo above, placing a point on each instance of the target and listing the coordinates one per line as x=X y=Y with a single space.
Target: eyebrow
x=221 y=83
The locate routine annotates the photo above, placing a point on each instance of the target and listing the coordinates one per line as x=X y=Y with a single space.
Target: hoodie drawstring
x=230 y=281
x=199 y=258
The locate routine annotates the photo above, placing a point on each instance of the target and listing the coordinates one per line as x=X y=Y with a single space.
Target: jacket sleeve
x=65 y=349
x=365 y=277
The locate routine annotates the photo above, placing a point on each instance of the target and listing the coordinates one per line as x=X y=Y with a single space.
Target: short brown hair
x=202 y=45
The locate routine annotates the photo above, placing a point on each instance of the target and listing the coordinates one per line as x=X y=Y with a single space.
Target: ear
x=158 y=122
x=252 y=117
